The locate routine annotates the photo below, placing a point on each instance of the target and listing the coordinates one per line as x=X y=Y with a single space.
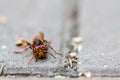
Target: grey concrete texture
x=100 y=30
x=37 y=78
x=25 y=19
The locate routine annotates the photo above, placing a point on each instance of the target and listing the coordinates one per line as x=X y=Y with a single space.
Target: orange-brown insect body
x=41 y=53
x=40 y=50
x=39 y=46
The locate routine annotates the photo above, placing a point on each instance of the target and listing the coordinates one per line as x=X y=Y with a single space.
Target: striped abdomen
x=41 y=53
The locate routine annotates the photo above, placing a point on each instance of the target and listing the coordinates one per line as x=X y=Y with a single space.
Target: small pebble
x=88 y=74
x=53 y=61
x=66 y=64
x=73 y=54
x=79 y=63
x=4 y=46
x=105 y=66
x=74 y=64
x=68 y=72
x=74 y=75
x=103 y=54
x=59 y=76
x=11 y=76
x=75 y=68
x=38 y=75
x=65 y=73
x=77 y=39
x=79 y=47
x=80 y=74
x=8 y=76
x=3 y=20
x=50 y=74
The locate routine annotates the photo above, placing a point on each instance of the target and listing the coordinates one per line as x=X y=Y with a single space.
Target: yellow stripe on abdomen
x=40 y=54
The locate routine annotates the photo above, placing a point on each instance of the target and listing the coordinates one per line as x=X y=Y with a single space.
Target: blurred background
x=26 y=18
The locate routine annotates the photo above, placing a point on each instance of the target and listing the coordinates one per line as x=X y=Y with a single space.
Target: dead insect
x=39 y=47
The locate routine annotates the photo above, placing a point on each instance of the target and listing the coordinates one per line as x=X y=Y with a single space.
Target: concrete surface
x=37 y=78
x=25 y=19
x=100 y=30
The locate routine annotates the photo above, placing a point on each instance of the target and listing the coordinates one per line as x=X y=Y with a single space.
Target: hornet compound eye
x=38 y=42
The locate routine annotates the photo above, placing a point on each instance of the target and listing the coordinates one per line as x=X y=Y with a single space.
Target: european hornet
x=39 y=47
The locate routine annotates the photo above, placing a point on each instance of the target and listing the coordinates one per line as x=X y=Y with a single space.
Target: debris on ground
x=71 y=61
x=1 y=69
